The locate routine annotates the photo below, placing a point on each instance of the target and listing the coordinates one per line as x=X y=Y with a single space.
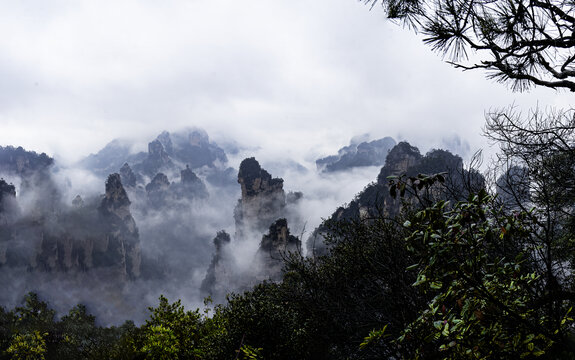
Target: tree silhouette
x=520 y=42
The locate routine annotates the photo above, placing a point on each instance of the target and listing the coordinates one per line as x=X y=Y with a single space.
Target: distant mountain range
x=364 y=153
x=176 y=219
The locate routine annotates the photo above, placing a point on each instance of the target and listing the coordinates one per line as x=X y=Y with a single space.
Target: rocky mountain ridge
x=167 y=153
x=100 y=236
x=402 y=160
x=263 y=206
x=153 y=220
x=358 y=153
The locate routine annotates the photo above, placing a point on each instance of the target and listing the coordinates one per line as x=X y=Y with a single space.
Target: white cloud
x=293 y=76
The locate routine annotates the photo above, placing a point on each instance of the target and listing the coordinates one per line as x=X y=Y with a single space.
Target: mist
x=89 y=74
x=176 y=229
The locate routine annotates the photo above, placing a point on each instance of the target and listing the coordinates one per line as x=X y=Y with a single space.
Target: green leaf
x=436 y=285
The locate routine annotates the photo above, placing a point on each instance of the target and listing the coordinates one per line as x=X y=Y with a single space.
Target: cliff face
x=128 y=176
x=225 y=274
x=157 y=160
x=190 y=186
x=403 y=159
x=166 y=141
x=157 y=190
x=163 y=195
x=121 y=233
x=191 y=147
x=7 y=199
x=8 y=213
x=220 y=274
x=262 y=208
x=275 y=245
x=167 y=185
x=263 y=199
x=33 y=173
x=167 y=153
x=21 y=162
x=194 y=148
x=95 y=236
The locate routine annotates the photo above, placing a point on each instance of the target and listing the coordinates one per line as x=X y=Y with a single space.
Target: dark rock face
x=256 y=181
x=218 y=275
x=194 y=148
x=262 y=207
x=99 y=236
x=357 y=154
x=187 y=176
x=18 y=242
x=263 y=199
x=166 y=141
x=223 y=274
x=190 y=186
x=222 y=239
x=160 y=182
x=165 y=195
x=158 y=159
x=7 y=194
x=127 y=176
x=276 y=244
x=33 y=172
x=403 y=159
x=8 y=213
x=293 y=197
x=157 y=190
x=68 y=238
x=167 y=188
x=123 y=250
x=21 y=162
x=278 y=238
x=168 y=153
x=115 y=200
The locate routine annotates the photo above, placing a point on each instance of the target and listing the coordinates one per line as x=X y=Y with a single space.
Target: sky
x=292 y=78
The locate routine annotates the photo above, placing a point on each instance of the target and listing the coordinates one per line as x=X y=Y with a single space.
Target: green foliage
x=32 y=330
x=119 y=341
x=78 y=337
x=7 y=321
x=483 y=306
x=374 y=335
x=34 y=315
x=160 y=343
x=79 y=334
x=249 y=352
x=263 y=318
x=324 y=306
x=171 y=332
x=361 y=284
x=28 y=346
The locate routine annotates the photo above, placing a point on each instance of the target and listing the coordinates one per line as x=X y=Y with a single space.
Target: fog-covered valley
x=121 y=227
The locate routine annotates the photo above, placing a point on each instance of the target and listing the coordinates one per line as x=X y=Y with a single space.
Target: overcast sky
x=297 y=78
